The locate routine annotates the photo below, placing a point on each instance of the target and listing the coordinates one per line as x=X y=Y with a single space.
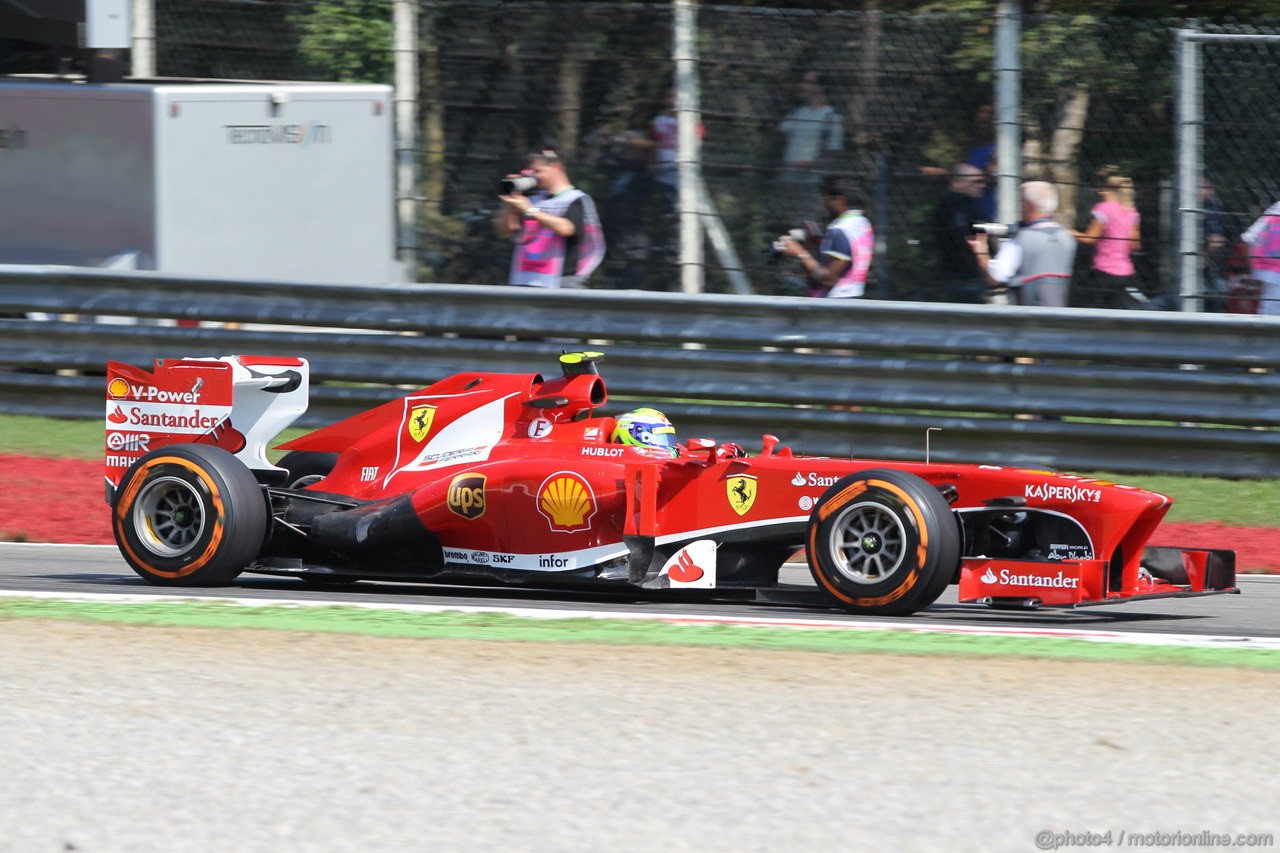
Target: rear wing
x=238 y=403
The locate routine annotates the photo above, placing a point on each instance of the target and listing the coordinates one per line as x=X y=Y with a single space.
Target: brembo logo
x=1073 y=494
x=1008 y=578
x=466 y=495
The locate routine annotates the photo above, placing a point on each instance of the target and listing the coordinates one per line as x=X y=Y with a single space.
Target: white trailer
x=263 y=180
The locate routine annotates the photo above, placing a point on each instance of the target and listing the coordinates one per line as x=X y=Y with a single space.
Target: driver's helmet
x=645 y=428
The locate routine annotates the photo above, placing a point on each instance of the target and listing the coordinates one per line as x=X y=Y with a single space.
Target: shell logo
x=566 y=501
x=118 y=388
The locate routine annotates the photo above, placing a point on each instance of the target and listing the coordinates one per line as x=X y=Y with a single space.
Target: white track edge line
x=1137 y=639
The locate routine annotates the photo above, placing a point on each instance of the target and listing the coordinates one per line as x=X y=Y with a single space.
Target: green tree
x=347 y=41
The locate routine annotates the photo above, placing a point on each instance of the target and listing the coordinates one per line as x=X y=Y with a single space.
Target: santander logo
x=1008 y=578
x=798 y=479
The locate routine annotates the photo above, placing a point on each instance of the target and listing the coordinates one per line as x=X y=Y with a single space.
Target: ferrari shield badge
x=420 y=418
x=742 y=493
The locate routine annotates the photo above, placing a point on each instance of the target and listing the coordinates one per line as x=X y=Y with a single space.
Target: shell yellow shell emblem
x=742 y=493
x=566 y=500
x=420 y=418
x=118 y=388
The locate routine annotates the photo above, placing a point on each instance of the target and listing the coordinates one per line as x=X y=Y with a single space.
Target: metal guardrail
x=1198 y=393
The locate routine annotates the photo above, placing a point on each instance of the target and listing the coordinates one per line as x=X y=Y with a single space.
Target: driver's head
x=645 y=428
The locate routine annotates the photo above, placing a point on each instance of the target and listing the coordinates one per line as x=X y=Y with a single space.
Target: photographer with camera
x=1035 y=262
x=846 y=247
x=558 y=240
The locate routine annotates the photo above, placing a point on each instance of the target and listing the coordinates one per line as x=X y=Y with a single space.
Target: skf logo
x=420 y=418
x=466 y=495
x=742 y=493
x=566 y=500
x=118 y=388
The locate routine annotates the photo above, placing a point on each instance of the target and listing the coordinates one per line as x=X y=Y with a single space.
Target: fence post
x=684 y=49
x=1008 y=70
x=143 y=54
x=406 y=97
x=1188 y=136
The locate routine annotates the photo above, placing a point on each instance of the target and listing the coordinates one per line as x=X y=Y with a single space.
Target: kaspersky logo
x=1008 y=578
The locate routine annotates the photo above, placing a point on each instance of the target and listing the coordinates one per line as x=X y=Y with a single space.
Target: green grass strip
x=502 y=627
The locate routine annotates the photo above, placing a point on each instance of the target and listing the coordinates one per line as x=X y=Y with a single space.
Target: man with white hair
x=1036 y=262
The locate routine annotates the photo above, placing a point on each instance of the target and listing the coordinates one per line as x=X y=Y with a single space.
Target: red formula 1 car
x=512 y=476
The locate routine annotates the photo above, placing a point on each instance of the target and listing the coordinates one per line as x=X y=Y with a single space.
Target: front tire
x=189 y=515
x=883 y=542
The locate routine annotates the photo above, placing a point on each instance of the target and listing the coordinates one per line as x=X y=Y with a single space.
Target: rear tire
x=306 y=467
x=883 y=542
x=189 y=515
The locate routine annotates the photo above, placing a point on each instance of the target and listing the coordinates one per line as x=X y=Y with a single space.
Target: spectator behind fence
x=558 y=240
x=1115 y=230
x=1035 y=262
x=813 y=130
x=1263 y=239
x=983 y=156
x=953 y=219
x=846 y=247
x=1218 y=240
x=665 y=133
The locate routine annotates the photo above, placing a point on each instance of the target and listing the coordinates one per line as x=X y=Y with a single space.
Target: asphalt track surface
x=143 y=738
x=87 y=570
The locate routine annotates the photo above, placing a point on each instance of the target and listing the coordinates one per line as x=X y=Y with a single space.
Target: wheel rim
x=868 y=543
x=168 y=516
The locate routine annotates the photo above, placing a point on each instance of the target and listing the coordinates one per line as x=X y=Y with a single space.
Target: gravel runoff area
x=148 y=738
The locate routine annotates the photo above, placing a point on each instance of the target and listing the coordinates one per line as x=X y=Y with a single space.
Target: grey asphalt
x=84 y=570
x=147 y=738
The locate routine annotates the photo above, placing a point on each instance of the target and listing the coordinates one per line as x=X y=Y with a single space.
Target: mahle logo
x=466 y=495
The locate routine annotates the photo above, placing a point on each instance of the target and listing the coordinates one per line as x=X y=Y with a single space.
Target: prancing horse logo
x=420 y=418
x=741 y=491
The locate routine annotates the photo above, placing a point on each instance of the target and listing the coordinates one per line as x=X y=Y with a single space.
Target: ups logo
x=466 y=495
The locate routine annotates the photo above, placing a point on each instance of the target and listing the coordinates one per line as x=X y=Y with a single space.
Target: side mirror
x=701 y=445
x=769 y=442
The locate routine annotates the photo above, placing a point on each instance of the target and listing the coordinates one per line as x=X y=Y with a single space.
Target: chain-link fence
x=892 y=101
x=1240 y=162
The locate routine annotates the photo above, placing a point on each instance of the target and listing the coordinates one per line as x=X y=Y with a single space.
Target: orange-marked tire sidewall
x=212 y=504
x=915 y=581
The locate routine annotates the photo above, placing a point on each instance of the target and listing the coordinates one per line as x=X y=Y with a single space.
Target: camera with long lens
x=995 y=229
x=800 y=235
x=516 y=184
